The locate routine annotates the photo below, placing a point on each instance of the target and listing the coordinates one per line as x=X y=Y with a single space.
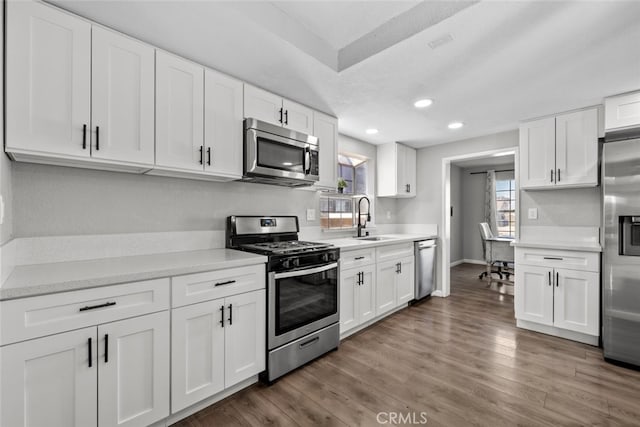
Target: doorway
x=464 y=195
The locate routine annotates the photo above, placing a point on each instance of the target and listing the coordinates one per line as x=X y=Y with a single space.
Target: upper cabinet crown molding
x=622 y=111
x=396 y=170
x=561 y=151
x=268 y=107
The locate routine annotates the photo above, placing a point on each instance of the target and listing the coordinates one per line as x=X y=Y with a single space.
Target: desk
x=499 y=250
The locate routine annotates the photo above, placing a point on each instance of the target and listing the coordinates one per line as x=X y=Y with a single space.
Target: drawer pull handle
x=228 y=282
x=311 y=341
x=358 y=258
x=93 y=307
x=554 y=258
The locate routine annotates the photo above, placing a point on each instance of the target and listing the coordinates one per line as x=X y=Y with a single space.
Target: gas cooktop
x=286 y=247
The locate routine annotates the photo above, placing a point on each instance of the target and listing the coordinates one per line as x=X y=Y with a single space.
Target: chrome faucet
x=360 y=225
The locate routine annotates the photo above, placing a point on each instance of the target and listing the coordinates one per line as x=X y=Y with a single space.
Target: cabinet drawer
x=357 y=258
x=573 y=260
x=401 y=250
x=216 y=284
x=27 y=318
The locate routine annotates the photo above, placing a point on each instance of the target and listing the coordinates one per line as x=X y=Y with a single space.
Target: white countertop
x=559 y=245
x=350 y=243
x=39 y=279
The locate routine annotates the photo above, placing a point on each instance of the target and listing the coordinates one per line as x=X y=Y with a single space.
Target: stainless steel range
x=302 y=290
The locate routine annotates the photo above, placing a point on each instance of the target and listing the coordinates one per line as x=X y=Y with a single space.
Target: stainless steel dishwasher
x=425 y=282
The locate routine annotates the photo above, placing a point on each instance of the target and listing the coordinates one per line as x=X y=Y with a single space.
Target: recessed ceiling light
x=455 y=125
x=371 y=131
x=423 y=103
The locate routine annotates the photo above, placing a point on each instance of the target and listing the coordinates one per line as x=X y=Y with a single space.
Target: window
x=340 y=211
x=354 y=171
x=506 y=204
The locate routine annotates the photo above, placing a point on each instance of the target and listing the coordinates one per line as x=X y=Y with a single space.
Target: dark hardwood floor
x=459 y=360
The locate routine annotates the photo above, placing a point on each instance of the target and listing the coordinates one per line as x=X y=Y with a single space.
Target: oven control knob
x=325 y=257
x=296 y=262
x=286 y=263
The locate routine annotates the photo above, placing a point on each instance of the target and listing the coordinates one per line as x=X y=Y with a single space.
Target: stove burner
x=286 y=247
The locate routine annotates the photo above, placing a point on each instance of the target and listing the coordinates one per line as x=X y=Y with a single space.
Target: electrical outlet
x=533 y=213
x=311 y=214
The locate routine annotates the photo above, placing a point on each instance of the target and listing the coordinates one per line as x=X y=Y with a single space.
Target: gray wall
x=52 y=200
x=569 y=207
x=473 y=188
x=426 y=207
x=457 y=203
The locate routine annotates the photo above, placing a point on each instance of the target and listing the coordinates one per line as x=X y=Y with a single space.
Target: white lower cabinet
x=357 y=297
x=50 y=381
x=395 y=277
x=557 y=298
x=133 y=371
x=116 y=374
x=373 y=283
x=219 y=343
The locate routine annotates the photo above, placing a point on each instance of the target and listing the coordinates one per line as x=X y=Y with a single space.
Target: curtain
x=490 y=202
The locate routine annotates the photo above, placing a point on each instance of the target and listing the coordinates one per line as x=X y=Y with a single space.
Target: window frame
x=509 y=213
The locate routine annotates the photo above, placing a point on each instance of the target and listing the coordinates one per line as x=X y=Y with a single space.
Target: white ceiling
x=341 y=23
x=508 y=61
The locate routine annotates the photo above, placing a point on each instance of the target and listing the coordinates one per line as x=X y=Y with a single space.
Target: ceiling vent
x=436 y=43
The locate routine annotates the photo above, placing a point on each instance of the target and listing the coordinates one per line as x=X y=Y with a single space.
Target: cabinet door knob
x=286 y=117
x=549 y=278
x=209 y=156
x=558 y=175
x=281 y=112
x=230 y=314
x=201 y=153
x=84 y=137
x=106 y=348
x=90 y=345
x=222 y=316
x=557 y=279
x=551 y=175
x=97 y=138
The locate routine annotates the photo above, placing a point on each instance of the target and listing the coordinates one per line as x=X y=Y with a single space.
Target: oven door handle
x=306 y=271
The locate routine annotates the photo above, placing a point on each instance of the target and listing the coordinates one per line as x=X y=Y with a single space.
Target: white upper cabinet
x=122 y=98
x=560 y=151
x=396 y=171
x=297 y=117
x=48 y=74
x=179 y=113
x=325 y=128
x=537 y=153
x=223 y=133
x=577 y=148
x=622 y=111
x=262 y=105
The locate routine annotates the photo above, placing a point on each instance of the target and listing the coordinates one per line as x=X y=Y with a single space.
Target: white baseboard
x=458 y=262
x=437 y=293
x=558 y=332
x=474 y=261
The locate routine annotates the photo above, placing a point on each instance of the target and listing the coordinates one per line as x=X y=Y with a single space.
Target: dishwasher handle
x=426 y=244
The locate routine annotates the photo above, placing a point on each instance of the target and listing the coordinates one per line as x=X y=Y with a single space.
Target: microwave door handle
x=307 y=161
x=306 y=271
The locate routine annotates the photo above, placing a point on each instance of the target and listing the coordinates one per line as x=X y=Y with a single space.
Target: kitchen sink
x=372 y=238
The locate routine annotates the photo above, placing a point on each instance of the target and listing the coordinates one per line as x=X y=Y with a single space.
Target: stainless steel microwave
x=280 y=156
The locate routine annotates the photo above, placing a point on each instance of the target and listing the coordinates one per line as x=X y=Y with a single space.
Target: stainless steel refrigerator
x=621 y=257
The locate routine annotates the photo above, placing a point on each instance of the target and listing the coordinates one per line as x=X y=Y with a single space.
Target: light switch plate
x=533 y=213
x=311 y=214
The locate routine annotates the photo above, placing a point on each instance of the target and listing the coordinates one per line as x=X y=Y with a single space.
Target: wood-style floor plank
x=461 y=360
